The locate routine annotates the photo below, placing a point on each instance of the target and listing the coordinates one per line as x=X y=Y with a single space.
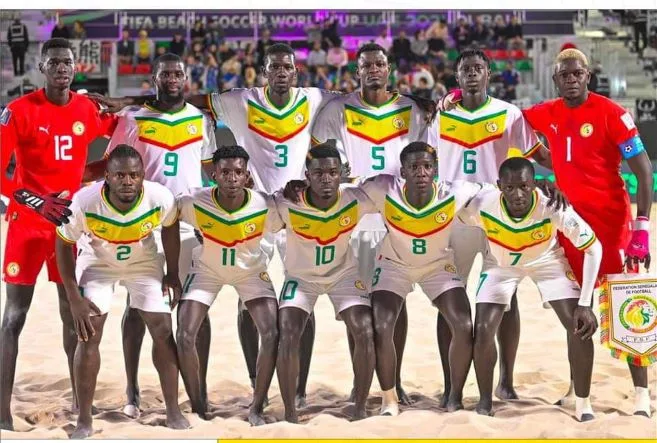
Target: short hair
x=471 y=52
x=55 y=43
x=417 y=147
x=323 y=150
x=123 y=151
x=279 y=48
x=516 y=164
x=370 y=47
x=572 y=54
x=168 y=57
x=231 y=151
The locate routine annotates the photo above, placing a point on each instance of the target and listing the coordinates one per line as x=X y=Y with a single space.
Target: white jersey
x=417 y=237
x=371 y=138
x=276 y=139
x=172 y=145
x=117 y=238
x=231 y=239
x=318 y=248
x=531 y=240
x=473 y=144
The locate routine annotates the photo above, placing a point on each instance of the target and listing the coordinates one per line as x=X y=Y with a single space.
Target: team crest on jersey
x=146 y=227
x=441 y=217
x=450 y=268
x=298 y=119
x=249 y=228
x=570 y=275
x=359 y=285
x=192 y=129
x=78 y=128
x=586 y=130
x=345 y=220
x=538 y=235
x=491 y=127
x=265 y=277
x=4 y=118
x=13 y=269
x=398 y=123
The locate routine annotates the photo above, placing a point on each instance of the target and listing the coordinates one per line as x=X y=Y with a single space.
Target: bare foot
x=292 y=417
x=454 y=404
x=82 y=431
x=177 y=421
x=75 y=409
x=444 y=399
x=7 y=424
x=404 y=399
x=505 y=392
x=485 y=407
x=352 y=396
x=359 y=414
x=639 y=413
x=300 y=401
x=256 y=418
x=132 y=411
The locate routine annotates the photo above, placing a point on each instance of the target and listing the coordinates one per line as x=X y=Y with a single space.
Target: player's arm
x=9 y=142
x=209 y=147
x=115 y=104
x=171 y=246
x=274 y=221
x=473 y=194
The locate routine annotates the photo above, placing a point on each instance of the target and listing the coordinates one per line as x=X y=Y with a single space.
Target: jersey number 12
x=63 y=143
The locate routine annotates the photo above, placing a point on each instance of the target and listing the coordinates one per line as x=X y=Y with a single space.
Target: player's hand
x=172 y=288
x=345 y=175
x=293 y=188
x=427 y=106
x=449 y=101
x=53 y=207
x=81 y=311
x=638 y=251
x=585 y=323
x=108 y=104
x=555 y=196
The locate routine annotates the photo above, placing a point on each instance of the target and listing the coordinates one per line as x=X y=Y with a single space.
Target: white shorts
x=434 y=279
x=143 y=280
x=555 y=281
x=366 y=242
x=270 y=239
x=202 y=285
x=188 y=242
x=348 y=290
x=466 y=242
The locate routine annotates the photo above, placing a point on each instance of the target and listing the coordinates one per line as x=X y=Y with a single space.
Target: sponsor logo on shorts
x=441 y=217
x=638 y=314
x=78 y=128
x=538 y=235
x=398 y=123
x=359 y=285
x=249 y=228
x=345 y=220
x=450 y=268
x=298 y=119
x=570 y=275
x=13 y=269
x=265 y=277
x=586 y=130
x=146 y=227
x=491 y=127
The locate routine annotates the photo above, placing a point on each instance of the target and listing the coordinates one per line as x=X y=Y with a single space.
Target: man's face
x=323 y=174
x=517 y=188
x=125 y=178
x=571 y=79
x=472 y=74
x=373 y=70
x=280 y=72
x=58 y=66
x=170 y=78
x=231 y=175
x=419 y=169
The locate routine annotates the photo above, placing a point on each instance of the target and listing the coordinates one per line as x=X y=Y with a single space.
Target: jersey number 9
x=171 y=161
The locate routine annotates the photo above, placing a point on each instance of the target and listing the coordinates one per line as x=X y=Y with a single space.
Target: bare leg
x=291 y=323
x=70 y=339
x=305 y=356
x=487 y=320
x=444 y=336
x=249 y=339
x=401 y=331
x=359 y=323
x=133 y=330
x=203 y=348
x=508 y=338
x=19 y=299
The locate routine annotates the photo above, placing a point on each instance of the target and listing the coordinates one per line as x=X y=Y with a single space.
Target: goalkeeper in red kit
x=589 y=136
x=48 y=132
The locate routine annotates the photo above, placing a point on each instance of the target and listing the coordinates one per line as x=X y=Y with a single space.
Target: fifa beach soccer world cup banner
x=628 y=317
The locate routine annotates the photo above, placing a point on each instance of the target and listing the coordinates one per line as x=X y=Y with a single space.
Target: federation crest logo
x=13 y=269
x=538 y=235
x=192 y=129
x=586 y=130
x=359 y=285
x=298 y=119
x=265 y=277
x=440 y=218
x=450 y=268
x=146 y=226
x=249 y=228
x=639 y=314
x=78 y=128
x=398 y=123
x=491 y=127
x=570 y=275
x=345 y=220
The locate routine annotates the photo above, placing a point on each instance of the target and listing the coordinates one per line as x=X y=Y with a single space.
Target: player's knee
x=484 y=332
x=384 y=322
x=269 y=337
x=14 y=319
x=463 y=326
x=161 y=331
x=364 y=333
x=186 y=339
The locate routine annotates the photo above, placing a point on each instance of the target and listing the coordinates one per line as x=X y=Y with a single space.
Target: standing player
x=522 y=231
x=589 y=136
x=175 y=140
x=371 y=128
x=474 y=139
x=49 y=132
x=320 y=261
x=118 y=217
x=232 y=220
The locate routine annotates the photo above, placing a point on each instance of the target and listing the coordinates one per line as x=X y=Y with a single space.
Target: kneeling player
x=521 y=229
x=319 y=260
x=232 y=220
x=117 y=217
x=418 y=214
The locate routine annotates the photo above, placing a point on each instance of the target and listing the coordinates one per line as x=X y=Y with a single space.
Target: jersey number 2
x=171 y=161
x=123 y=252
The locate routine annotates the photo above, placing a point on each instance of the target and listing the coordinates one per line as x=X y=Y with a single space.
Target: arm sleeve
x=623 y=132
x=523 y=136
x=327 y=126
x=126 y=132
x=73 y=230
x=185 y=204
x=209 y=141
x=326 y=97
x=9 y=136
x=169 y=208
x=220 y=103
x=469 y=213
x=274 y=222
x=376 y=188
x=574 y=228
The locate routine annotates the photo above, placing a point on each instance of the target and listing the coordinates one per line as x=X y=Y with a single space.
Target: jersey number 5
x=63 y=143
x=378 y=159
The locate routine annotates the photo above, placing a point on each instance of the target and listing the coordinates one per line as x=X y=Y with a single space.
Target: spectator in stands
x=348 y=83
x=248 y=61
x=322 y=80
x=144 y=47
x=510 y=79
x=195 y=88
x=263 y=43
x=639 y=19
x=423 y=89
x=79 y=33
x=211 y=74
x=438 y=92
x=125 y=48
x=225 y=53
x=436 y=47
x=514 y=34
x=215 y=34
x=337 y=58
x=384 y=40
x=462 y=34
x=178 y=44
x=448 y=78
x=147 y=88
x=160 y=50
x=197 y=50
x=212 y=50
x=330 y=34
x=420 y=46
x=403 y=87
x=314 y=33
x=401 y=49
x=481 y=35
x=250 y=76
x=198 y=32
x=304 y=79
x=421 y=73
x=499 y=33
x=316 y=57
x=195 y=69
x=438 y=29
x=231 y=70
x=60 y=30
x=18 y=41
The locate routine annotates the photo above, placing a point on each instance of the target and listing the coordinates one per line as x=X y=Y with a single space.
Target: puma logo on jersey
x=258 y=120
x=584 y=235
x=101 y=230
x=304 y=227
x=150 y=131
x=493 y=231
x=554 y=127
x=357 y=123
x=451 y=128
x=44 y=129
x=396 y=218
x=207 y=225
